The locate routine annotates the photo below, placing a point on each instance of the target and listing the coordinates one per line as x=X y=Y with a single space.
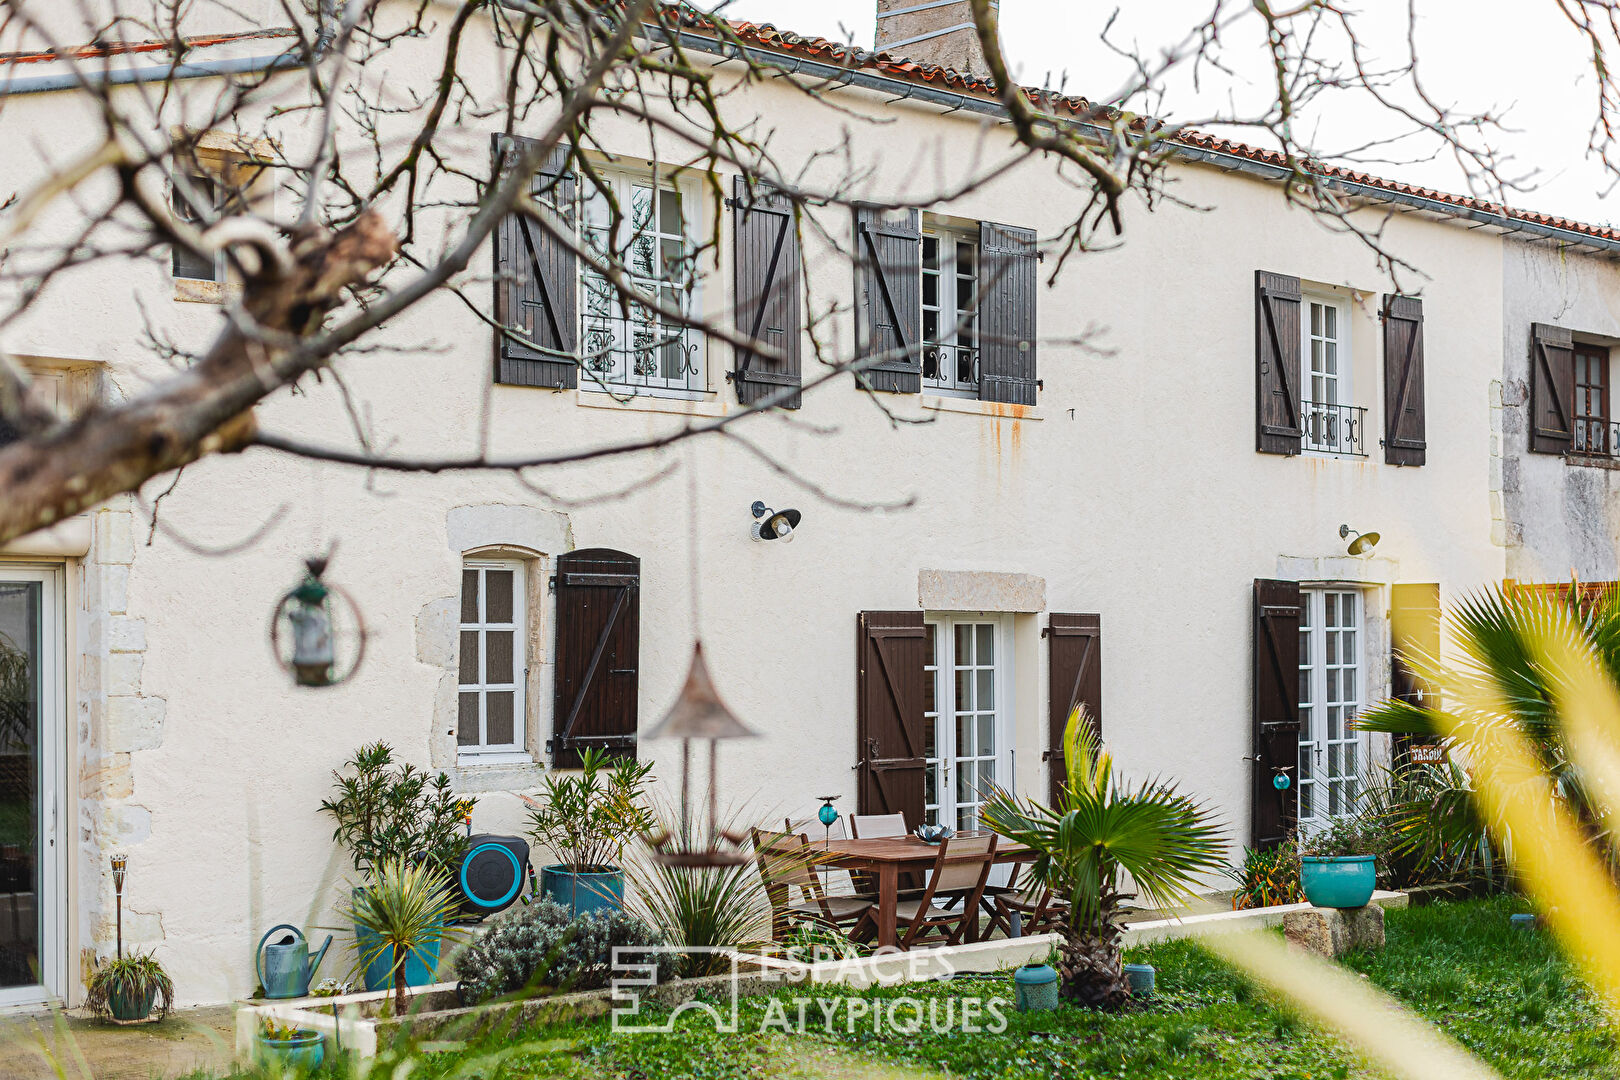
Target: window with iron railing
x=950 y=312
x=1593 y=434
x=1331 y=424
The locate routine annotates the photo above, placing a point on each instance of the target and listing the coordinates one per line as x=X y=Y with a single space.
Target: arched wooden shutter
x=598 y=649
x=1405 y=419
x=888 y=297
x=1274 y=814
x=1007 y=291
x=890 y=651
x=1074 y=677
x=1552 y=389
x=1278 y=424
x=536 y=280
x=1414 y=624
x=767 y=287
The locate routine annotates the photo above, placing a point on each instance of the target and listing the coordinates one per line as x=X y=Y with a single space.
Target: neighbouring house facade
x=1126 y=490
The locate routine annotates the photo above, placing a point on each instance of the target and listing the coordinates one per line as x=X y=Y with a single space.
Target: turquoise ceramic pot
x=1139 y=977
x=582 y=894
x=130 y=1007
x=1035 y=988
x=1343 y=881
x=304 y=1052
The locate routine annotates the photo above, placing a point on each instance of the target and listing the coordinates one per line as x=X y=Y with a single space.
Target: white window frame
x=1325 y=428
x=623 y=181
x=483 y=753
x=55 y=830
x=948 y=310
x=942 y=765
x=1316 y=744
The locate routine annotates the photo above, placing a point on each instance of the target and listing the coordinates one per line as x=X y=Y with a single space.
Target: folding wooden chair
x=785 y=862
x=960 y=869
x=1039 y=910
x=876 y=826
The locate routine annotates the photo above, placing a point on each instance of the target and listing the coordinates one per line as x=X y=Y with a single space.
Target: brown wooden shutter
x=1405 y=419
x=536 y=281
x=1007 y=292
x=767 y=287
x=888 y=297
x=890 y=651
x=1073 y=677
x=1552 y=389
x=598 y=646
x=1274 y=814
x=1278 y=426
x=1414 y=623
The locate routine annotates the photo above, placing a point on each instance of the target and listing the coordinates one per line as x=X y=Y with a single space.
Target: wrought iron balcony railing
x=1334 y=429
x=1596 y=438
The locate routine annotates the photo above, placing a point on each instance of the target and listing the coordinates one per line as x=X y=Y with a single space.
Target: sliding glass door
x=32 y=751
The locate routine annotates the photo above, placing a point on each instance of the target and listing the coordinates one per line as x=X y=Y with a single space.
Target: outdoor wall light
x=120 y=864
x=1363 y=542
x=777 y=524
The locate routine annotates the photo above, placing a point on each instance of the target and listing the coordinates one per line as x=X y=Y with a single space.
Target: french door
x=1330 y=696
x=33 y=753
x=967 y=739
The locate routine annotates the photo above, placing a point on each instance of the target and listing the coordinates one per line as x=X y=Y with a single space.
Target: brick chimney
x=931 y=32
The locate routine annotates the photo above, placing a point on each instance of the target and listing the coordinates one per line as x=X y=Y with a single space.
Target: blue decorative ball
x=827 y=814
x=1281 y=782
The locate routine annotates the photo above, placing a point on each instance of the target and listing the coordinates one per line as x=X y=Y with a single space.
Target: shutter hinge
x=551 y=583
x=731 y=203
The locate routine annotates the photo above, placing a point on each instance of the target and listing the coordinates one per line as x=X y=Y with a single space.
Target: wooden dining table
x=886 y=858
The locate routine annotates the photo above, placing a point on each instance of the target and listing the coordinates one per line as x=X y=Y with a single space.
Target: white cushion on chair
x=907 y=911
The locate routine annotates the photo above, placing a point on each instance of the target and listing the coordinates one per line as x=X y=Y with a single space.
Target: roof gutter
x=900 y=89
x=201 y=69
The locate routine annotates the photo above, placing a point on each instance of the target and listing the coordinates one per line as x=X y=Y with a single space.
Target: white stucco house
x=1149 y=523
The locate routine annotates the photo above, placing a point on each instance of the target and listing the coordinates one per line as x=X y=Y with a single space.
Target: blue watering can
x=286 y=966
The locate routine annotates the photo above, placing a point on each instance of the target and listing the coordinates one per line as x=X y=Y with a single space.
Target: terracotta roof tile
x=768 y=36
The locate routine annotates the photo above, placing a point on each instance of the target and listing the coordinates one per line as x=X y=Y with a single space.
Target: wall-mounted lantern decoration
x=316 y=616
x=774 y=524
x=698 y=713
x=1363 y=542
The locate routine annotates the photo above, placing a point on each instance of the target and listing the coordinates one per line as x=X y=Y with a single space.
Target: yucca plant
x=407 y=906
x=129 y=983
x=1097 y=830
x=699 y=906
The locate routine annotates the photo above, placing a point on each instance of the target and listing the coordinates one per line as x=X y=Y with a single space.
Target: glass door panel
x=965 y=715
x=21 y=701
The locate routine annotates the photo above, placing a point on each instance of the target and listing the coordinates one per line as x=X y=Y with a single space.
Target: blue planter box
x=1343 y=881
x=583 y=893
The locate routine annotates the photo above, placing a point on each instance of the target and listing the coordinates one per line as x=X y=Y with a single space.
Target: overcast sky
x=1517 y=58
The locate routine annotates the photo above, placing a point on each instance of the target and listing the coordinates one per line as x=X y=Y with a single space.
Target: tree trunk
x=1091 y=963
x=399 y=981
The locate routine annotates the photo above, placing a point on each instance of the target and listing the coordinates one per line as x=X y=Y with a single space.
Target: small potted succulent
x=288 y=1048
x=586 y=818
x=124 y=988
x=1339 y=865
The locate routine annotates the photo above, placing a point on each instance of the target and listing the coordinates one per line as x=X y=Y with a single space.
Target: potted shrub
x=125 y=988
x=586 y=818
x=386 y=813
x=1339 y=865
x=288 y=1048
x=401 y=916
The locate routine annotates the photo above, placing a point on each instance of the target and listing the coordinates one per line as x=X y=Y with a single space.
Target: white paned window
x=965 y=726
x=208 y=192
x=633 y=347
x=1330 y=695
x=950 y=312
x=1327 y=417
x=494 y=660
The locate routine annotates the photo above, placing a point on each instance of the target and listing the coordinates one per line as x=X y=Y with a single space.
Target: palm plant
x=406 y=906
x=1097 y=830
x=1499 y=669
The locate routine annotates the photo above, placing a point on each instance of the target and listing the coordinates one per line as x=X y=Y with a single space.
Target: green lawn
x=1506 y=994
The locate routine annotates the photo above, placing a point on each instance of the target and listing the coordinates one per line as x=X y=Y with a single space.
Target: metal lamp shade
x=698 y=712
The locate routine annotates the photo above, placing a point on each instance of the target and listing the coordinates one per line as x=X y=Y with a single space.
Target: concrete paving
x=53 y=1044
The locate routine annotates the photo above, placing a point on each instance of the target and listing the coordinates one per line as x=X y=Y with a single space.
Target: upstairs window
x=1591 y=400
x=493 y=662
x=190 y=192
x=950 y=312
x=632 y=346
x=1333 y=424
